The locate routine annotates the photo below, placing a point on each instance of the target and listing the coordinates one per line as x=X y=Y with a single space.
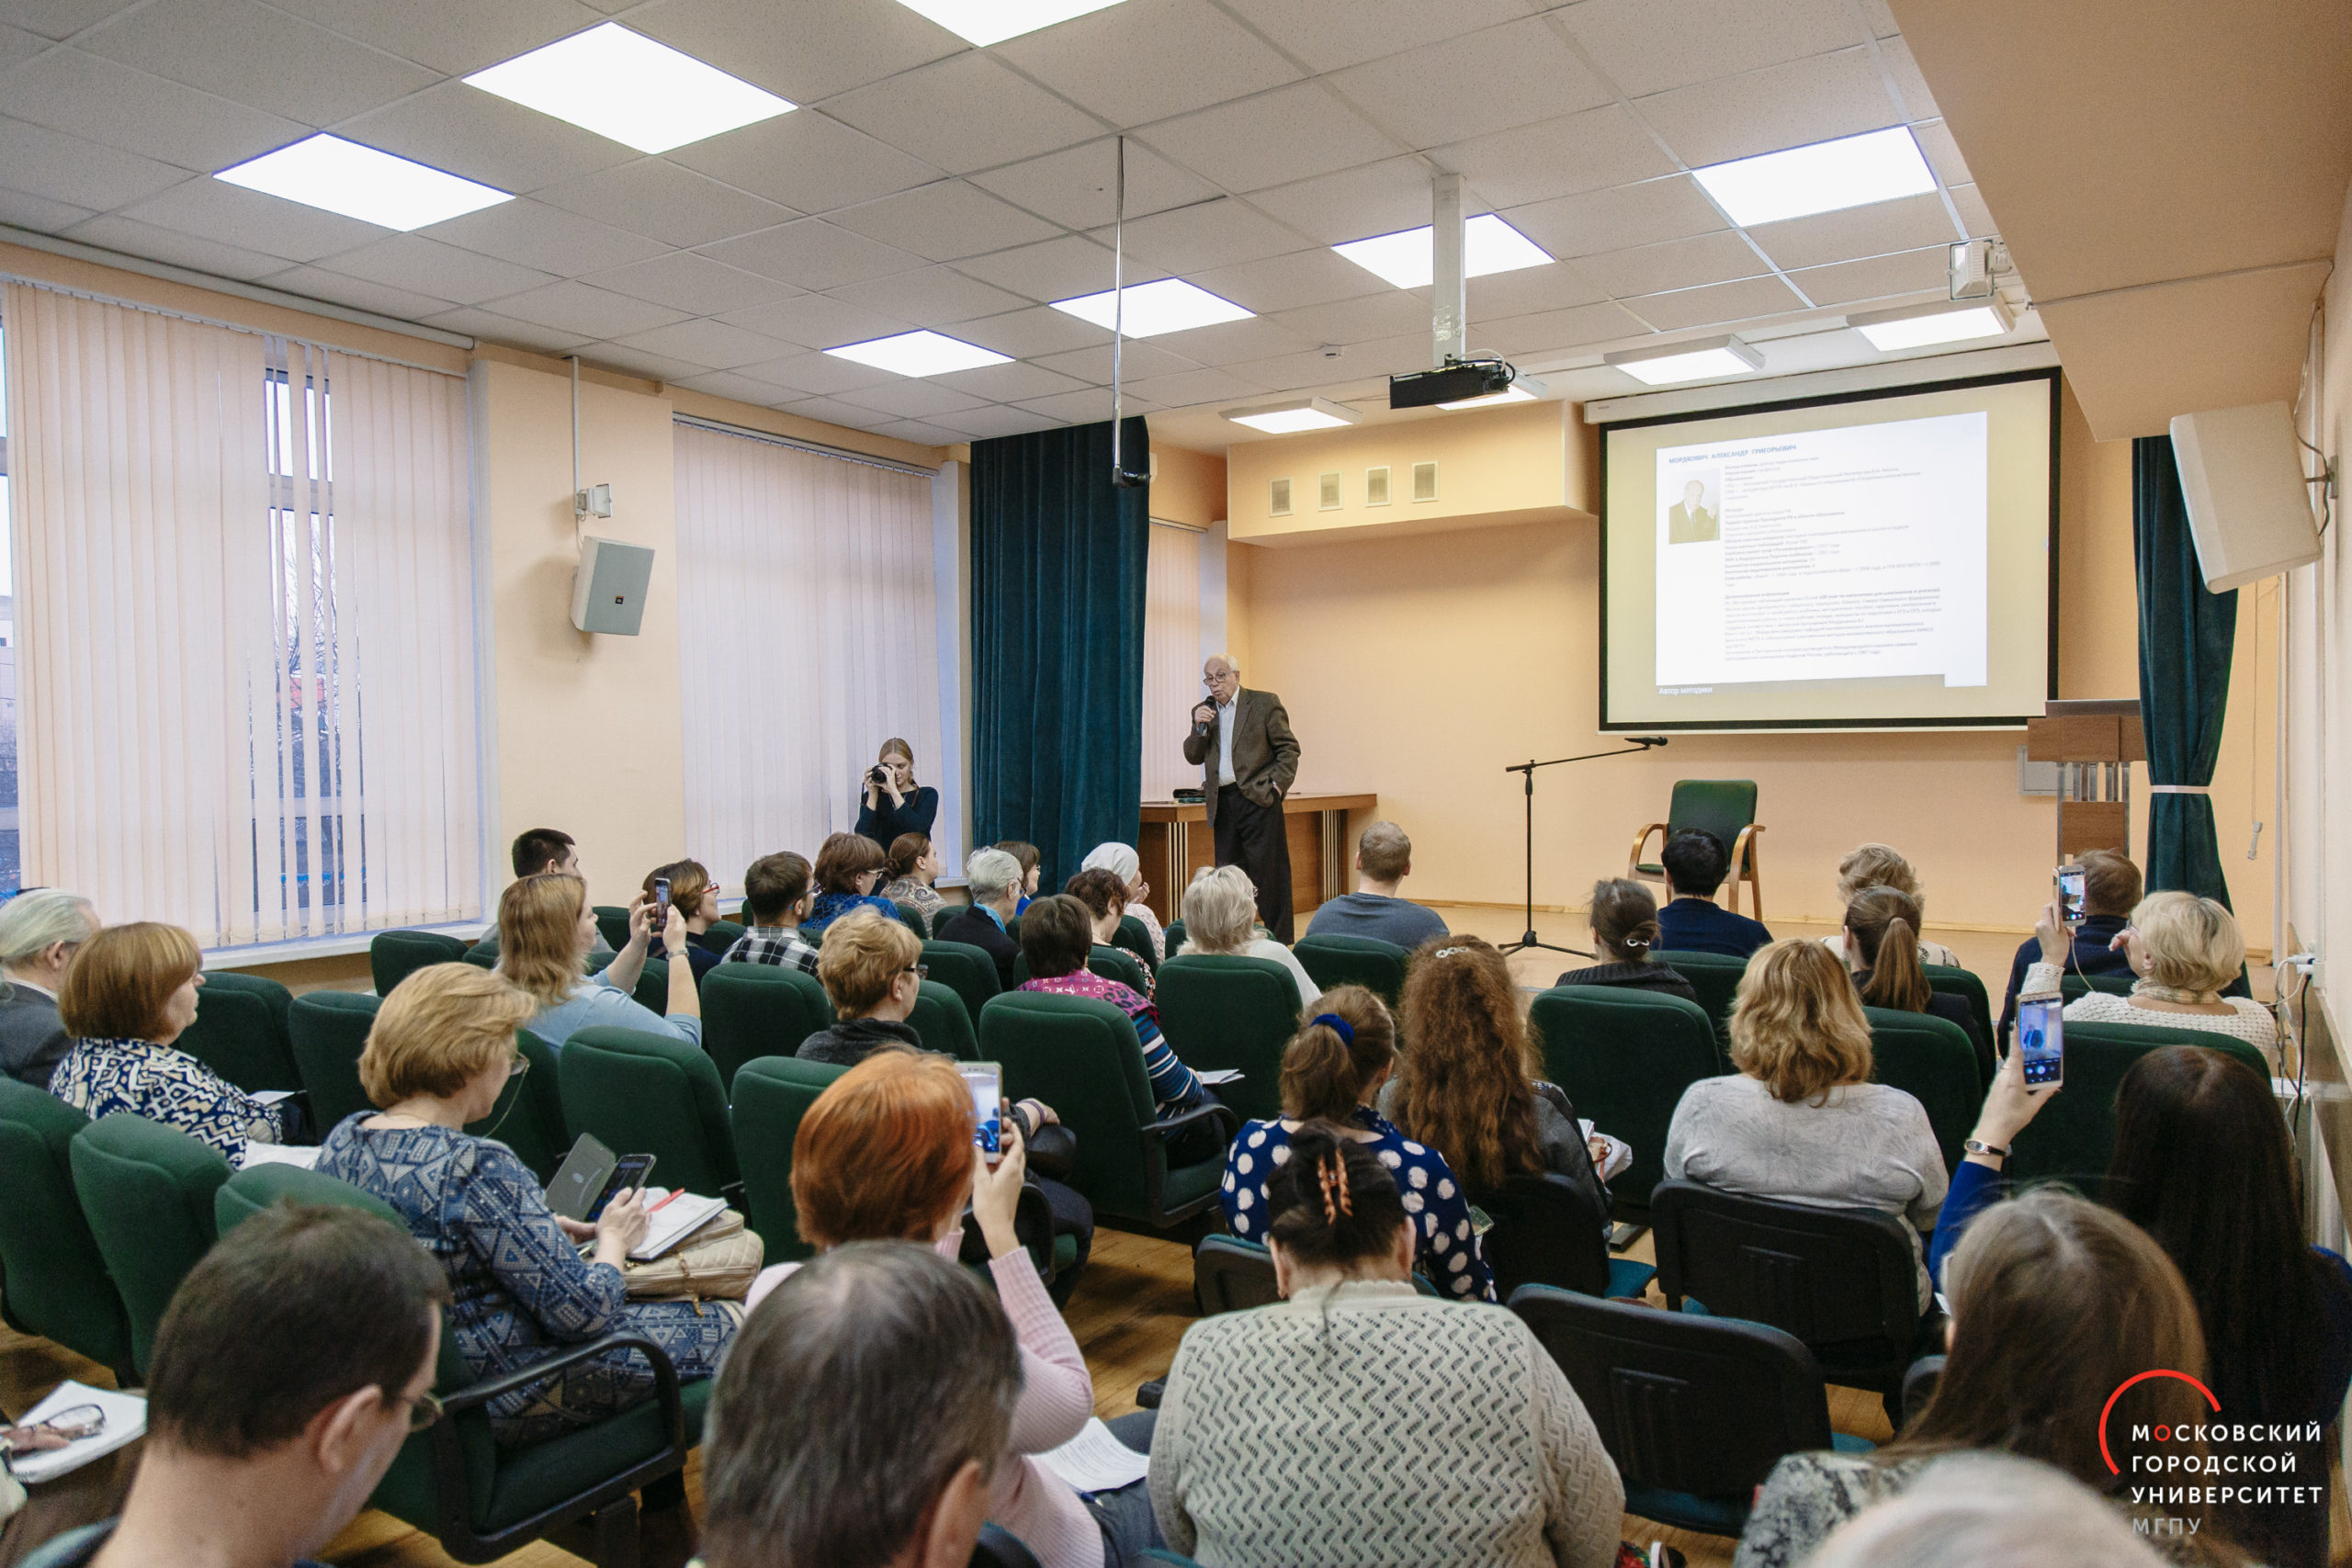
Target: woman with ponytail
x=1883 y=951
x=1625 y=932
x=1360 y=1421
x=1332 y=1072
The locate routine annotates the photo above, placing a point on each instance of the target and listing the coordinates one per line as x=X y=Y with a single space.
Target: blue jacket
x=1694 y=925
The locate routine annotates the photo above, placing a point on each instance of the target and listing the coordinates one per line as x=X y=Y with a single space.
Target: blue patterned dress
x=165 y=1084
x=522 y=1290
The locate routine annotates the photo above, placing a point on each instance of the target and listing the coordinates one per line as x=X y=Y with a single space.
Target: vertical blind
x=244 y=590
x=1171 y=657
x=807 y=615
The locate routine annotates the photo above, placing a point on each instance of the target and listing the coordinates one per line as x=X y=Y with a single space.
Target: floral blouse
x=165 y=1084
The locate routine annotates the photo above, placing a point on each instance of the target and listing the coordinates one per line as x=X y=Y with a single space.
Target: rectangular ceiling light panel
x=623 y=86
x=1408 y=260
x=1890 y=331
x=1708 y=359
x=984 y=22
x=1170 y=305
x=1852 y=171
x=335 y=176
x=1293 y=415
x=920 y=354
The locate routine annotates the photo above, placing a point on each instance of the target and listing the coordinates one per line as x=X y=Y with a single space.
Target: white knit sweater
x=2247 y=1020
x=1366 y=1426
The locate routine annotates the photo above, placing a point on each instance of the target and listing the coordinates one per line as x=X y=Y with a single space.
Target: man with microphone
x=1248 y=756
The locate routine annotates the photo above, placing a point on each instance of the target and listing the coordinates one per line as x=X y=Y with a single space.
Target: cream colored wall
x=1188 y=487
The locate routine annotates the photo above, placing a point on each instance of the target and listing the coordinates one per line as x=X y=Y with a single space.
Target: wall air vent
x=1327 y=494
x=1425 y=482
x=1278 y=498
x=1376 y=487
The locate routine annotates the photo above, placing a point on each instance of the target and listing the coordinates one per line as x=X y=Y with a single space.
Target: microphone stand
x=1527 y=775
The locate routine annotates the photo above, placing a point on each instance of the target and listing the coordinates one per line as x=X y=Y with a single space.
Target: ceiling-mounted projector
x=1450 y=383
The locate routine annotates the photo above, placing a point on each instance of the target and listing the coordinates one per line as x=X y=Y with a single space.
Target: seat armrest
x=1633 y=856
x=1161 y=1132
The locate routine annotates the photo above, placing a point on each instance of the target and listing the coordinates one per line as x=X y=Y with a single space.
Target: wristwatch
x=1979 y=1147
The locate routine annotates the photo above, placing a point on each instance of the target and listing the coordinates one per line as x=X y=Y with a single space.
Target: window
x=12 y=876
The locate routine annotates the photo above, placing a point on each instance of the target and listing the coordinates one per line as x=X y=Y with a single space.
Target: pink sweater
x=1057 y=1399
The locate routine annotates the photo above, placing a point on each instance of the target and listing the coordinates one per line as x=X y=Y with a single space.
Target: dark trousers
x=1252 y=837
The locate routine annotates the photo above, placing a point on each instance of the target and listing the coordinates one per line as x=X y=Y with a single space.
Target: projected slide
x=1825 y=555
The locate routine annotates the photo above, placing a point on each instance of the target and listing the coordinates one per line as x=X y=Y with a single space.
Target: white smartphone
x=2041 y=1039
x=986 y=1080
x=2069 y=896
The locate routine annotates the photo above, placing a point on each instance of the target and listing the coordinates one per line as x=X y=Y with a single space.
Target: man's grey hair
x=847 y=1404
x=1386 y=853
x=989 y=872
x=42 y=917
x=1220 y=909
x=1983 y=1510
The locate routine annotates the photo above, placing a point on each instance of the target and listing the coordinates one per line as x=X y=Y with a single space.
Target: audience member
x=993 y=879
x=2185 y=950
x=862 y=1418
x=850 y=866
x=1106 y=898
x=546 y=927
x=1801 y=1121
x=2056 y=1302
x=1696 y=863
x=1031 y=868
x=1384 y=859
x=438 y=1057
x=695 y=897
x=1122 y=862
x=914 y=866
x=892 y=804
x=1469 y=1082
x=1986 y=1510
x=886 y=1153
x=2203 y=1163
x=539 y=851
x=1625 y=932
x=294 y=1361
x=1893 y=976
x=130 y=992
x=1333 y=1070
x=1359 y=1421
x=40 y=930
x=872 y=972
x=776 y=898
x=1883 y=866
x=2111 y=890
x=1221 y=917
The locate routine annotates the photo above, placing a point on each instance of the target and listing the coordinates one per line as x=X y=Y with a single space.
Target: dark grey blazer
x=1265 y=752
x=32 y=1038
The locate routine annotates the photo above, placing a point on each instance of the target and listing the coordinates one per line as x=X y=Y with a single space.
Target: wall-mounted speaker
x=608 y=586
x=1376 y=487
x=2249 y=504
x=1278 y=498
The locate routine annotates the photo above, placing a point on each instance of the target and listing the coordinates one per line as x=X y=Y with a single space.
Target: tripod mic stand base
x=1531 y=941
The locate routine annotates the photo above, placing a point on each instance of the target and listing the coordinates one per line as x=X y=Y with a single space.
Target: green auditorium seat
x=56 y=1284
x=968 y=970
x=722 y=935
x=240 y=1030
x=911 y=918
x=642 y=1093
x=2072 y=1138
x=759 y=1010
x=1333 y=960
x=2074 y=987
x=1135 y=938
x=940 y=1019
x=483 y=1500
x=1716 y=977
x=1111 y=963
x=1227 y=1011
x=1964 y=984
x=1082 y=1056
x=330 y=1030
x=652 y=991
x=1625 y=1057
x=147 y=1192
x=394 y=957
x=483 y=954
x=612 y=924
x=1930 y=1059
x=771 y=1094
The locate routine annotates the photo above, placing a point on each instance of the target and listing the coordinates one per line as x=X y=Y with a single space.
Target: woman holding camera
x=893 y=803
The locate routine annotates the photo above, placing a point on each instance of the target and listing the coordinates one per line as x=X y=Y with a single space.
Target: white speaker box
x=608 y=587
x=2249 y=508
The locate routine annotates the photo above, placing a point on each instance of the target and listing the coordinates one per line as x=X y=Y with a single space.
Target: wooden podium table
x=1176 y=843
x=2094 y=741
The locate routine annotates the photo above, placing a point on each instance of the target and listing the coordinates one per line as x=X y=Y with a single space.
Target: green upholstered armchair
x=394 y=957
x=56 y=1284
x=759 y=1010
x=147 y=1192
x=1725 y=807
x=771 y=1094
x=1111 y=963
x=330 y=1030
x=644 y=1093
x=1625 y=1057
x=1930 y=1059
x=1135 y=937
x=612 y=924
x=2072 y=1138
x=965 y=969
x=1964 y=984
x=240 y=1030
x=1222 y=1010
x=940 y=1019
x=1329 y=961
x=1716 y=977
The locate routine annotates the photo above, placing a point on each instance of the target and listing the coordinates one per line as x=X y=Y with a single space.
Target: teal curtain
x=1058 y=601
x=2185 y=638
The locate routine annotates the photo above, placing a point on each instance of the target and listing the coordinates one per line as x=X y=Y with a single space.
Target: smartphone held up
x=2069 y=896
x=2041 y=1039
x=986 y=1081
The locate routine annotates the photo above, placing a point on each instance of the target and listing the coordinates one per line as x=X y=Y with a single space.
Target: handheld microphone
x=1646 y=739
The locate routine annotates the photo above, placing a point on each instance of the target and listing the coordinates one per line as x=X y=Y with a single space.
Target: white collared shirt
x=1225 y=716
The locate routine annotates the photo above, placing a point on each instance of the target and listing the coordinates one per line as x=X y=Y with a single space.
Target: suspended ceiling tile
x=1076 y=187
x=214 y=209
x=1936 y=140
x=1212 y=234
x=1620 y=217
x=658 y=198
x=59 y=18
x=1145 y=60
x=694 y=284
x=929 y=296
x=964 y=113
x=1292 y=134
x=572 y=305
x=912 y=398
x=1918 y=103
x=549 y=238
x=817 y=321
x=1203 y=386
x=709 y=345
x=1880 y=228
x=1781 y=106
x=919 y=431
x=817 y=375
x=453 y=37
x=1330 y=35
x=832 y=410
x=742 y=389
x=640 y=361
x=1676 y=263
x=1229 y=343
x=1010 y=383
x=41 y=162
x=944 y=222
x=1027 y=335
x=484 y=137
x=1475 y=85
x=1055 y=269
x=1650 y=46
x=805 y=51
x=994 y=420
x=1140 y=359
x=339 y=288
x=1303 y=371
x=1875 y=277
x=1390 y=312
x=431 y=266
x=89 y=96
x=24 y=210
x=115 y=233
x=1974 y=216
x=1354 y=204
x=813 y=254
x=806 y=161
x=246 y=50
x=1532 y=289
x=1083 y=408
x=489 y=326
x=1558 y=157
x=17 y=45
x=1881 y=18
x=1316 y=276
x=1552 y=331
x=1717 y=304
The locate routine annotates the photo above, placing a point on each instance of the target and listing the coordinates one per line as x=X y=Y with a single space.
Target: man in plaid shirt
x=776 y=895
